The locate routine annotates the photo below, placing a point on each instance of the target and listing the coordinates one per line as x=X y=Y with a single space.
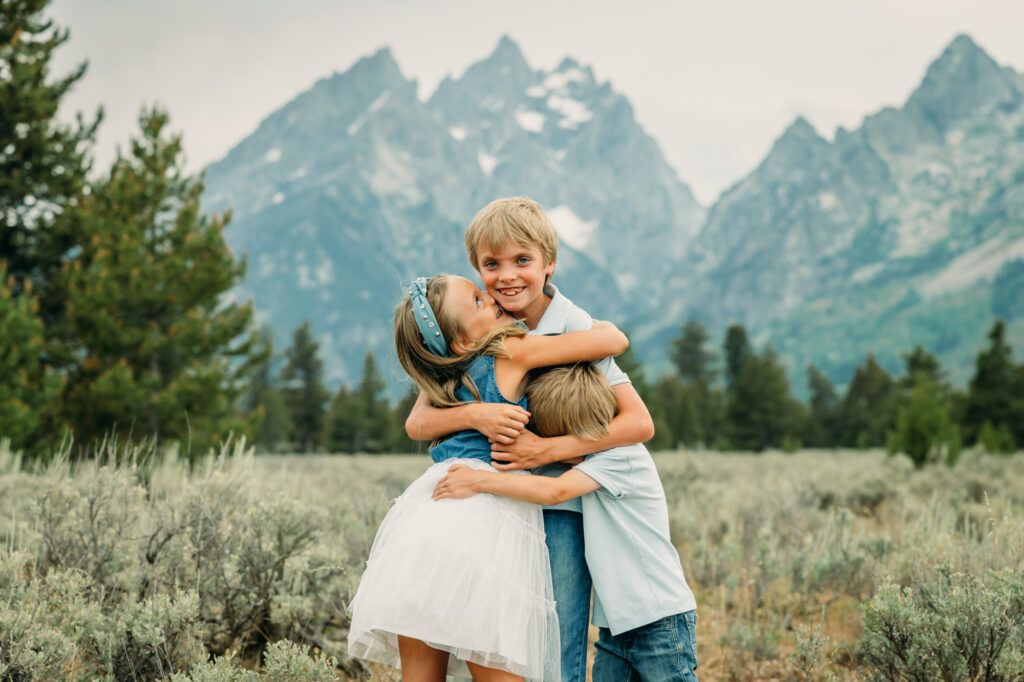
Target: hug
x=481 y=569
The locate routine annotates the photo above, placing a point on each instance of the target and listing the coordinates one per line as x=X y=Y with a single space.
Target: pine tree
x=761 y=412
x=263 y=403
x=629 y=363
x=340 y=423
x=737 y=350
x=43 y=161
x=400 y=441
x=27 y=387
x=924 y=430
x=374 y=420
x=154 y=347
x=303 y=389
x=695 y=364
x=696 y=367
x=869 y=407
x=822 y=426
x=993 y=395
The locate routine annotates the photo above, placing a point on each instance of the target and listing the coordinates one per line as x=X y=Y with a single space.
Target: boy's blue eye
x=523 y=260
x=490 y=264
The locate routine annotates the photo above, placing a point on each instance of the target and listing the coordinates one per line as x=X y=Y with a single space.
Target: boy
x=643 y=607
x=513 y=246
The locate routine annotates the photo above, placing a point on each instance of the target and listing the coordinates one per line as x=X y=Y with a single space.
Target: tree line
x=735 y=398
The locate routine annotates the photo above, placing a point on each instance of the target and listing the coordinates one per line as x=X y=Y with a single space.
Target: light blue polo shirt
x=636 y=571
x=561 y=316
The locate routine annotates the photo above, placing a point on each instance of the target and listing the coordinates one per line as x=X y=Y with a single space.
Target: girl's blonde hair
x=572 y=400
x=439 y=376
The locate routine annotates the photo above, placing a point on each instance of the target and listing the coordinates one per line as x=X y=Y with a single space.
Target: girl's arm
x=632 y=424
x=600 y=341
x=501 y=423
x=462 y=481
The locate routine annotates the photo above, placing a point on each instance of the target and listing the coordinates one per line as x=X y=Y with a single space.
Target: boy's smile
x=514 y=275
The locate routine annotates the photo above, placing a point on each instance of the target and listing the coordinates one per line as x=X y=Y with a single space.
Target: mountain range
x=909 y=229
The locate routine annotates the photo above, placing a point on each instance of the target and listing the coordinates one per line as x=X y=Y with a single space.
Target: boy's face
x=514 y=275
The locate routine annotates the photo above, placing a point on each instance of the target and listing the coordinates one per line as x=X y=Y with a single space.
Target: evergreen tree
x=263 y=403
x=923 y=363
x=761 y=412
x=303 y=389
x=674 y=412
x=43 y=162
x=994 y=395
x=737 y=350
x=374 y=419
x=400 y=441
x=822 y=426
x=629 y=363
x=924 y=430
x=696 y=367
x=151 y=344
x=340 y=425
x=27 y=387
x=695 y=364
x=868 y=408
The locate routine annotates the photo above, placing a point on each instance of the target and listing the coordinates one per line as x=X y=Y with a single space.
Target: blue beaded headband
x=425 y=320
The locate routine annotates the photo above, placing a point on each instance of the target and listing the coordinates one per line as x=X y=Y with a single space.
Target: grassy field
x=143 y=570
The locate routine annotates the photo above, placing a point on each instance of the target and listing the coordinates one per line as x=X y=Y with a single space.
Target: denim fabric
x=662 y=651
x=571 y=582
x=473 y=444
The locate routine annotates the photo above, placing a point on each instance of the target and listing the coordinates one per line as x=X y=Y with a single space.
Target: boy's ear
x=549 y=268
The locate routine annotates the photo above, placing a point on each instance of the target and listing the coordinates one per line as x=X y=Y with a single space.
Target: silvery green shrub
x=953 y=627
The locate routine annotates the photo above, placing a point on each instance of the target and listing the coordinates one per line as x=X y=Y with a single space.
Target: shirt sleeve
x=578 y=320
x=611 y=470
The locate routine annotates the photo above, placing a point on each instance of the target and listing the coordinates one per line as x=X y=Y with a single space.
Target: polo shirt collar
x=554 y=318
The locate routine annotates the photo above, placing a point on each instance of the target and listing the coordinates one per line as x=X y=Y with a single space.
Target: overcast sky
x=714 y=81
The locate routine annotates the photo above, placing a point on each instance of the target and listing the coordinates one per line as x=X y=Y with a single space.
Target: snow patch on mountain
x=572 y=229
x=921 y=228
x=978 y=264
x=375 y=106
x=530 y=121
x=272 y=156
x=457 y=133
x=560 y=79
x=277 y=198
x=487 y=162
x=393 y=177
x=573 y=111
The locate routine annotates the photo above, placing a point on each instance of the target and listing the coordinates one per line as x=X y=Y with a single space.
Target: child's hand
x=500 y=423
x=457 y=483
x=526 y=452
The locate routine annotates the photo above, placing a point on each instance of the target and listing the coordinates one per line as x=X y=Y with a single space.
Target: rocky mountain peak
x=964 y=79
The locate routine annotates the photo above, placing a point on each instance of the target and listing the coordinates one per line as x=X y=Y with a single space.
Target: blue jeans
x=662 y=651
x=571 y=581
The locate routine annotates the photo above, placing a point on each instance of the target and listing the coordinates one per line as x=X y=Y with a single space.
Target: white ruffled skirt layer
x=468 y=576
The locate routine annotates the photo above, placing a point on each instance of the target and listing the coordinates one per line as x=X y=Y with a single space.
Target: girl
x=463 y=587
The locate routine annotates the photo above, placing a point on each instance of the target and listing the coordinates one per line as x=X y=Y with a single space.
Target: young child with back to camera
x=514 y=245
x=463 y=587
x=643 y=607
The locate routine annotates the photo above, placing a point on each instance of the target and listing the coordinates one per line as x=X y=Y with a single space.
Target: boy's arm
x=462 y=481
x=632 y=424
x=501 y=423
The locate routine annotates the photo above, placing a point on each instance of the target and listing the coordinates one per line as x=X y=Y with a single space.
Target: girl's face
x=478 y=312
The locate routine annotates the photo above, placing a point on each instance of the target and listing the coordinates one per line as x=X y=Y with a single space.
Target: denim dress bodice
x=473 y=444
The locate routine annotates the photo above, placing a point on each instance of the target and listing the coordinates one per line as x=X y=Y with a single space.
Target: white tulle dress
x=467 y=576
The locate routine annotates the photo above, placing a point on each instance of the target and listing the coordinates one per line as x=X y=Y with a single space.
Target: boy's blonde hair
x=574 y=400
x=515 y=219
